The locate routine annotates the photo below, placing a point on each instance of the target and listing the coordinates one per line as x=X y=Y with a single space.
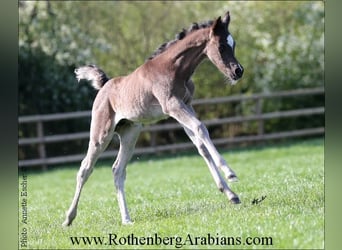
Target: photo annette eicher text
x=23 y=218
x=155 y=239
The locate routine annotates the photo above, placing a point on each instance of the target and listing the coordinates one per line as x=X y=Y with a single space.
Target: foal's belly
x=147 y=114
x=153 y=114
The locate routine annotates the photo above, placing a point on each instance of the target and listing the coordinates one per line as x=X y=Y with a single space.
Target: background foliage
x=280 y=45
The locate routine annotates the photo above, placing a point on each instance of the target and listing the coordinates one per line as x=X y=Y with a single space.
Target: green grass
x=176 y=196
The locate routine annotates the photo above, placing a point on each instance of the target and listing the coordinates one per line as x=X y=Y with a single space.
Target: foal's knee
x=202 y=131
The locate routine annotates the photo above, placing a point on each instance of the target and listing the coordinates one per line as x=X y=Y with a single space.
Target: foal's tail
x=92 y=73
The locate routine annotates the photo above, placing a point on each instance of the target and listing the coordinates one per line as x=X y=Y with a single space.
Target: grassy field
x=174 y=200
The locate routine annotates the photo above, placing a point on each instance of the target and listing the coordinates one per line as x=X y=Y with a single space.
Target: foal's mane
x=180 y=36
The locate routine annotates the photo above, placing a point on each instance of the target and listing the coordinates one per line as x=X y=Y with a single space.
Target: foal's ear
x=226 y=19
x=217 y=26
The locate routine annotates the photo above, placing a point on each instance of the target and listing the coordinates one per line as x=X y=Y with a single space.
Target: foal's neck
x=185 y=55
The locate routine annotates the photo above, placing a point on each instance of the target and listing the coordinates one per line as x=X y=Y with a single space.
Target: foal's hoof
x=66 y=223
x=127 y=222
x=232 y=178
x=235 y=200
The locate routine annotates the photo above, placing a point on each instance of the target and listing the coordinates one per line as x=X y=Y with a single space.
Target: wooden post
x=41 y=145
x=153 y=139
x=259 y=113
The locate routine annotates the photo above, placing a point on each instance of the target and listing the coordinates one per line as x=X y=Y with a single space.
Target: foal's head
x=220 y=49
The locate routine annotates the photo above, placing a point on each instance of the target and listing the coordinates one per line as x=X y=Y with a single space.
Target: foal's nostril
x=239 y=71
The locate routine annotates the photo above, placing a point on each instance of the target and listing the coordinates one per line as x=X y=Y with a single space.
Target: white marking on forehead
x=230 y=40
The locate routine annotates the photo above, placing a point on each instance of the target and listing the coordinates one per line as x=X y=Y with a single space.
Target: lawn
x=175 y=204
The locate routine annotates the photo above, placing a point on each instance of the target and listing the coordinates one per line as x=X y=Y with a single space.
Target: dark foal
x=160 y=88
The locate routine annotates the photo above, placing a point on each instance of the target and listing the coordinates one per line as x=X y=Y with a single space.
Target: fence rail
x=41 y=140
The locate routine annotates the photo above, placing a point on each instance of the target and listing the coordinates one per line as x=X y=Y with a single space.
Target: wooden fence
x=41 y=140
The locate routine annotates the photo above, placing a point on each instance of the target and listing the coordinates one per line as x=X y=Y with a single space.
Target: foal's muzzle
x=236 y=71
x=239 y=71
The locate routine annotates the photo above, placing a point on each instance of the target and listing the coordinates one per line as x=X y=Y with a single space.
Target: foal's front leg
x=216 y=157
x=200 y=137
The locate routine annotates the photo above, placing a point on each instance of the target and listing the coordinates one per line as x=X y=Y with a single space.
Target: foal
x=158 y=89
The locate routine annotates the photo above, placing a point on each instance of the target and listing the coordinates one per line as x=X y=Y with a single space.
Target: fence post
x=153 y=139
x=41 y=145
x=259 y=113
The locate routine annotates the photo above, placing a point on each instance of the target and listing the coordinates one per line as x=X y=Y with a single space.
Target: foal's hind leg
x=101 y=133
x=128 y=133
